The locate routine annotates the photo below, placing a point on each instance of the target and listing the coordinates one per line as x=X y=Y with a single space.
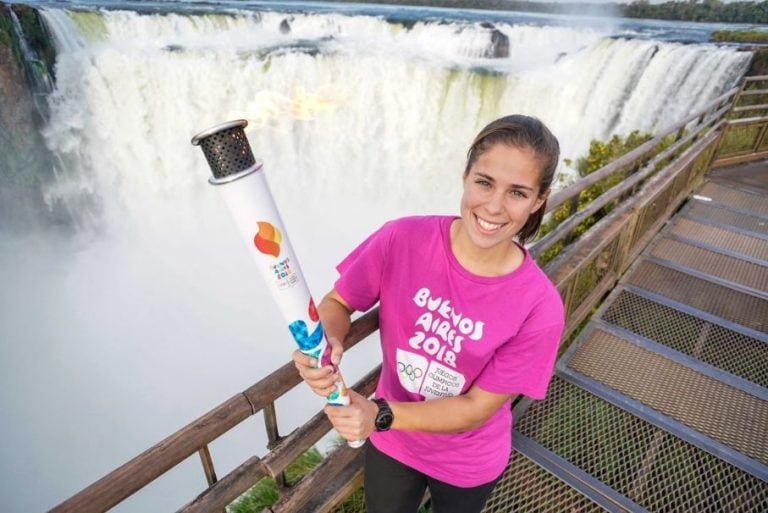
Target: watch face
x=384 y=420
x=384 y=417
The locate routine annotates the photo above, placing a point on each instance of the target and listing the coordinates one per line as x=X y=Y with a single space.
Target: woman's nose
x=496 y=202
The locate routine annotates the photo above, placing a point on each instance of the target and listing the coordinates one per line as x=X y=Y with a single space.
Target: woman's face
x=501 y=190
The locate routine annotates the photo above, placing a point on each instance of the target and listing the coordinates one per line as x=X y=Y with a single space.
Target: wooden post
x=205 y=458
x=759 y=138
x=273 y=435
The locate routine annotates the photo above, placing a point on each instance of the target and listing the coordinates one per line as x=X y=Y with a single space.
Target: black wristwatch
x=385 y=417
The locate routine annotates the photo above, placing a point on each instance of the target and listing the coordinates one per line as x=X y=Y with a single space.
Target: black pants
x=391 y=487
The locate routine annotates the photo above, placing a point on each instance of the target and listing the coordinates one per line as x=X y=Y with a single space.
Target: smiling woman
x=467 y=320
x=507 y=179
x=114 y=298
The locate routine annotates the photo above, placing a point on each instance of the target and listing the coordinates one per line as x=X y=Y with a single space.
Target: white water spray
x=131 y=330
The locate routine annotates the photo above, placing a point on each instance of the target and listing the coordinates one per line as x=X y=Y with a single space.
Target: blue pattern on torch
x=308 y=342
x=302 y=337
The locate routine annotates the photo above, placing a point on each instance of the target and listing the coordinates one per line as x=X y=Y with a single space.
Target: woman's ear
x=540 y=200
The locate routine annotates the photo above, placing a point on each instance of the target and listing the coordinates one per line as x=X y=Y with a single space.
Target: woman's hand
x=356 y=421
x=323 y=380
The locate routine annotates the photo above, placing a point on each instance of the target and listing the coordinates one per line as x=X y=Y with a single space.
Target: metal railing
x=656 y=178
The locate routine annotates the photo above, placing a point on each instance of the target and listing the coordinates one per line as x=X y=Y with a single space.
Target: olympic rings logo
x=409 y=370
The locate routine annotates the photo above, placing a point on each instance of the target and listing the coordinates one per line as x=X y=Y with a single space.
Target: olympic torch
x=240 y=179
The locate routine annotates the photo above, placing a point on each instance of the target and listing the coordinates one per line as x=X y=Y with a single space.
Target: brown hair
x=521 y=132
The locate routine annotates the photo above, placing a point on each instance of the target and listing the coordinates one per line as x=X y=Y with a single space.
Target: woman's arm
x=335 y=315
x=446 y=415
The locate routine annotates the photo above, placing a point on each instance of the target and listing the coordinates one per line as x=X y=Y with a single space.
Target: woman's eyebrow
x=484 y=176
x=520 y=186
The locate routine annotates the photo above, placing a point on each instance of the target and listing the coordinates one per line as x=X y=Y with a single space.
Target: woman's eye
x=518 y=194
x=483 y=183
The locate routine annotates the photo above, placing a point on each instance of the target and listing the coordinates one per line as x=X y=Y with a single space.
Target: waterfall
x=402 y=102
x=149 y=312
x=39 y=79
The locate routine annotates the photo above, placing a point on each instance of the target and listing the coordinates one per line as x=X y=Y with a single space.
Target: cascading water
x=399 y=99
x=39 y=79
x=122 y=326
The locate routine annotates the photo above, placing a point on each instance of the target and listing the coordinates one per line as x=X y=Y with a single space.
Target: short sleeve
x=361 y=272
x=524 y=364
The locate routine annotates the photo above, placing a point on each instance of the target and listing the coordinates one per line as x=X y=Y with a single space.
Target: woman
x=467 y=321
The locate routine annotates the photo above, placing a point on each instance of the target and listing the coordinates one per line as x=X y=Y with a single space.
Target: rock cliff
x=25 y=162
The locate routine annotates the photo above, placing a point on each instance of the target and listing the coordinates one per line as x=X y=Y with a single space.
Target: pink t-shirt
x=444 y=329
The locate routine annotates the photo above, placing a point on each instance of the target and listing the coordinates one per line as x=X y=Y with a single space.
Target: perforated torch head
x=226 y=148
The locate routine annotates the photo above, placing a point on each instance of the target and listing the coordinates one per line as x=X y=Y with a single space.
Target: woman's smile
x=488 y=226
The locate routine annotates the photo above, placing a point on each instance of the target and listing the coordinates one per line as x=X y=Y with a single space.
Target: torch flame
x=307 y=106
x=269 y=107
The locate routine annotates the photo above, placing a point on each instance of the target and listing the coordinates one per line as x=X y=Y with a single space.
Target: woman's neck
x=495 y=261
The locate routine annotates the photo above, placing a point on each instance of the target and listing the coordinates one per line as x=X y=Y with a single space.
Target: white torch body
x=261 y=228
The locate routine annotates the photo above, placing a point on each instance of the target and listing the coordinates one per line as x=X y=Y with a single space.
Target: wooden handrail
x=154 y=462
x=569 y=224
x=758 y=120
x=745 y=108
x=288 y=449
x=634 y=158
x=754 y=92
x=130 y=477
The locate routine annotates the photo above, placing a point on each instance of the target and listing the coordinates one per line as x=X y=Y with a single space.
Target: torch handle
x=340 y=397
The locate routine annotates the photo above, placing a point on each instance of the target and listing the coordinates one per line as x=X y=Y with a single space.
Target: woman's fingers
x=350 y=428
x=353 y=422
x=300 y=358
x=337 y=350
x=322 y=381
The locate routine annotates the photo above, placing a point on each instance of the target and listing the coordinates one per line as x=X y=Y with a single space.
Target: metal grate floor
x=724 y=217
x=721 y=238
x=652 y=468
x=714 y=345
x=724 y=302
x=742 y=272
x=723 y=413
x=661 y=403
x=735 y=198
x=525 y=486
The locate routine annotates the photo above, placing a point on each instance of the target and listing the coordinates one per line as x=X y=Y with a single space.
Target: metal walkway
x=661 y=403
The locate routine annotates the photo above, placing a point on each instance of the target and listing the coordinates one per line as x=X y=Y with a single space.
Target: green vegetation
x=37 y=35
x=688 y=10
x=6 y=31
x=699 y=10
x=739 y=36
x=600 y=154
x=759 y=64
x=264 y=493
x=738 y=140
x=8 y=36
x=91 y=25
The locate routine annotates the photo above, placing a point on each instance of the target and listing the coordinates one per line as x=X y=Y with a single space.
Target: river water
x=138 y=310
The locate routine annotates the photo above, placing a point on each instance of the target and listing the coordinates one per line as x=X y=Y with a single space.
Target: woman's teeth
x=485 y=225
